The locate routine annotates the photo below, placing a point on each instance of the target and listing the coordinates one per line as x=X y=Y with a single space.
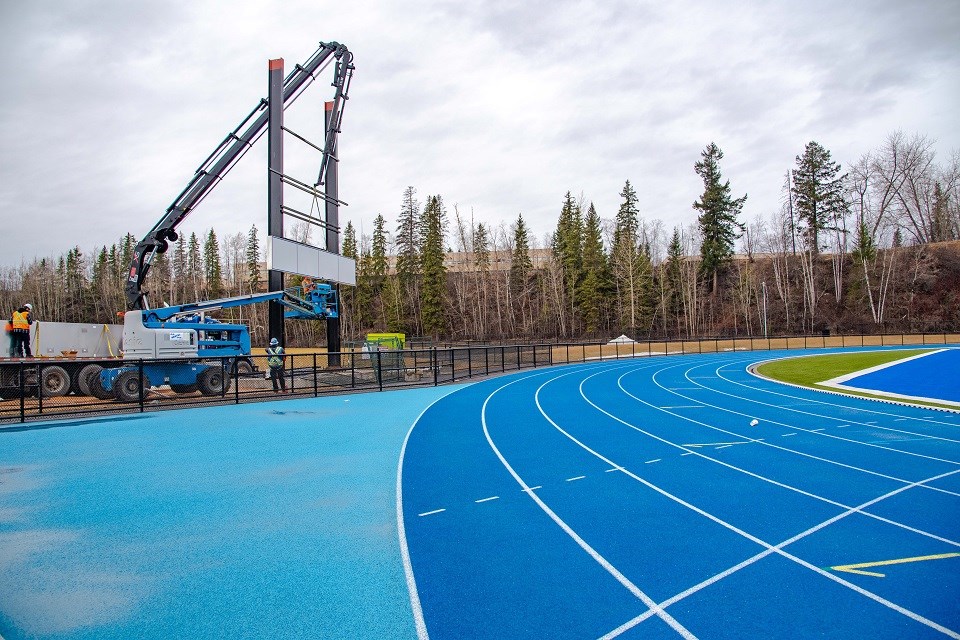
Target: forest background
x=867 y=248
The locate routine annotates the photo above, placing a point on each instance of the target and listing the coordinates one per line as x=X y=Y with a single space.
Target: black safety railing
x=46 y=389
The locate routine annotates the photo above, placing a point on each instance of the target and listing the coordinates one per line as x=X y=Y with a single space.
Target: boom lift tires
x=129 y=387
x=213 y=382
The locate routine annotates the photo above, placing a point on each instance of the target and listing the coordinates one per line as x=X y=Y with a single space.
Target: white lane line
x=841 y=426
x=652 y=461
x=787 y=435
x=577 y=478
x=770 y=548
x=817 y=430
x=487 y=499
x=593 y=553
x=723 y=446
x=418 y=620
x=764 y=478
x=529 y=489
x=686 y=406
x=614 y=469
x=430 y=513
x=688 y=453
x=900 y=419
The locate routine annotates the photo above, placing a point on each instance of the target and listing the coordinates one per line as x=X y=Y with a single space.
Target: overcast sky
x=108 y=106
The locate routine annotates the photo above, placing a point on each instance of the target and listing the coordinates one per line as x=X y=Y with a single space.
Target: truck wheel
x=243 y=367
x=97 y=390
x=183 y=388
x=55 y=382
x=128 y=386
x=213 y=382
x=83 y=377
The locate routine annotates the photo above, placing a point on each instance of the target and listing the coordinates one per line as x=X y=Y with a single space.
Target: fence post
x=434 y=366
x=379 y=369
x=316 y=390
x=503 y=358
x=39 y=389
x=486 y=360
x=469 y=362
x=353 y=369
x=534 y=356
x=141 y=385
x=23 y=392
x=236 y=382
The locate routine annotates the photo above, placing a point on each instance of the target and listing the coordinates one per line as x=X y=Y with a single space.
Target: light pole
x=763 y=286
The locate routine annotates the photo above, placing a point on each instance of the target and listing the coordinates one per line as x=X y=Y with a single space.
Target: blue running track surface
x=935 y=376
x=664 y=497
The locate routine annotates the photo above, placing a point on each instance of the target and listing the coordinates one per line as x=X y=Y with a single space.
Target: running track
x=633 y=499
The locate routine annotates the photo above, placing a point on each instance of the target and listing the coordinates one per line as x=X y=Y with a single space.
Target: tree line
x=862 y=249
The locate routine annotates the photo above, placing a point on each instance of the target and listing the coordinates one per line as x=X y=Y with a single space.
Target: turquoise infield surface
x=676 y=496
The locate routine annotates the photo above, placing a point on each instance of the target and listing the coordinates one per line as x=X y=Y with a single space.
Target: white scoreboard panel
x=293 y=257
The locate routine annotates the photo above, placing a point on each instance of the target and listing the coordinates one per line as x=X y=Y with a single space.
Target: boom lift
x=233 y=147
x=184 y=334
x=183 y=347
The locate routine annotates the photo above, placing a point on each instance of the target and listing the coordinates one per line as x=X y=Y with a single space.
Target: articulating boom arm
x=233 y=147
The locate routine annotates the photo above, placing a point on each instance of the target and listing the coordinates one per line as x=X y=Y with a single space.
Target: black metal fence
x=51 y=388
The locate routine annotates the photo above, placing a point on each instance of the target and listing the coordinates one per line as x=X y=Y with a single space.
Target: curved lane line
x=689 y=451
x=603 y=562
x=778 y=549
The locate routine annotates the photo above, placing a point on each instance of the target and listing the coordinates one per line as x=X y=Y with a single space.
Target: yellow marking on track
x=856 y=568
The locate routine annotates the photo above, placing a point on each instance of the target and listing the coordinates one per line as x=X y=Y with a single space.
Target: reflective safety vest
x=20 y=321
x=275 y=357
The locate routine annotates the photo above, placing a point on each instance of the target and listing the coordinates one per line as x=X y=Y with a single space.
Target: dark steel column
x=333 y=235
x=275 y=187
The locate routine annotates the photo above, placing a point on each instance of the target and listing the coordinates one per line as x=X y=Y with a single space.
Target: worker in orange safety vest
x=20 y=331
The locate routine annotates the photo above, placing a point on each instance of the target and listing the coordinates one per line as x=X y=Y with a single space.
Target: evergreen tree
x=408 y=237
x=631 y=264
x=194 y=268
x=818 y=192
x=349 y=295
x=520 y=263
x=595 y=286
x=672 y=281
x=378 y=253
x=213 y=270
x=718 y=222
x=568 y=247
x=433 y=295
x=253 y=259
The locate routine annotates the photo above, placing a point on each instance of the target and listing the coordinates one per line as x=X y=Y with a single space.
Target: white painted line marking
x=577 y=478
x=487 y=499
x=816 y=430
x=787 y=435
x=871 y=422
x=614 y=469
x=688 y=453
x=652 y=461
x=685 y=406
x=539 y=486
x=900 y=419
x=724 y=446
x=841 y=426
x=430 y=513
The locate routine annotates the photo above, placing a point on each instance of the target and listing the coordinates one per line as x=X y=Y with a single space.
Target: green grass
x=809 y=371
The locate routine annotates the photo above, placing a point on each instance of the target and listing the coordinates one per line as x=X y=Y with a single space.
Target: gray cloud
x=501 y=107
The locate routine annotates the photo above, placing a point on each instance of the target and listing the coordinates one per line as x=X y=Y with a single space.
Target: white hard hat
x=274 y=341
x=28 y=306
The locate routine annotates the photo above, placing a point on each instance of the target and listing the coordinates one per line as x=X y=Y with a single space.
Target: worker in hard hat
x=20 y=332
x=275 y=358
